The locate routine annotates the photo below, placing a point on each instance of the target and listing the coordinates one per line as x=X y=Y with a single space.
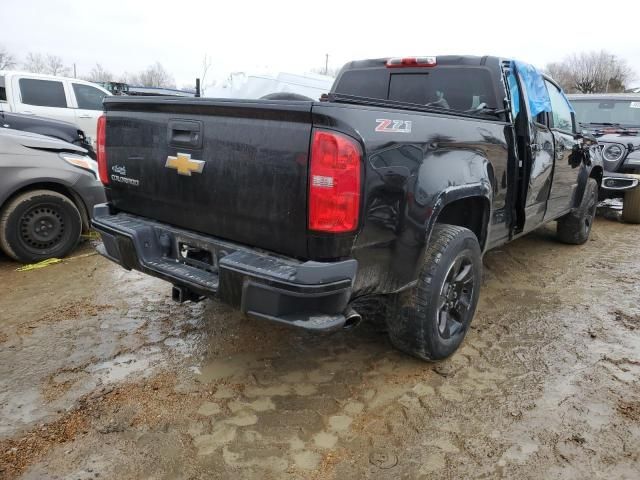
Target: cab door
x=44 y=97
x=535 y=158
x=566 y=169
x=540 y=173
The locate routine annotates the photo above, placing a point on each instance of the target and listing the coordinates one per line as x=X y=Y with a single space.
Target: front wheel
x=38 y=225
x=631 y=206
x=575 y=227
x=430 y=320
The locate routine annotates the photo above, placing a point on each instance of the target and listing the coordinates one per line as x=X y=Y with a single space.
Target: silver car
x=48 y=188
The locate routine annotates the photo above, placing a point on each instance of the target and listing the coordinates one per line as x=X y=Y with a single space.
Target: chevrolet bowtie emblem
x=184 y=164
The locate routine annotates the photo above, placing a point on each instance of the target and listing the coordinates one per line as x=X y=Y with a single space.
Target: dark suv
x=614 y=119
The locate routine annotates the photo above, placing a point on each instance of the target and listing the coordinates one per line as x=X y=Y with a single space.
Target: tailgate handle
x=185 y=133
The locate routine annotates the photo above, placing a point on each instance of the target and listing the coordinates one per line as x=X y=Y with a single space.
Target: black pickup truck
x=387 y=192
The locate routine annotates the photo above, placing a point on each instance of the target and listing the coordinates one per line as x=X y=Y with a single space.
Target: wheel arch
x=596 y=172
x=468 y=206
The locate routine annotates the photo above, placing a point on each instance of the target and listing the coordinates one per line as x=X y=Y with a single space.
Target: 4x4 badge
x=184 y=164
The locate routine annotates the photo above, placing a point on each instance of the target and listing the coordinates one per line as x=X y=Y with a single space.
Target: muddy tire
x=430 y=320
x=575 y=227
x=38 y=225
x=631 y=206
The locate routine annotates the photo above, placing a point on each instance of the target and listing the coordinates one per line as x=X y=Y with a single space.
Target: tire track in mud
x=545 y=385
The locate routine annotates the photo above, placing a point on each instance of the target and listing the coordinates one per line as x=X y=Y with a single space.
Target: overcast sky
x=294 y=36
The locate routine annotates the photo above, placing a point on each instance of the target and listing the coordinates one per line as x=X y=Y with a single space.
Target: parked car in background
x=66 y=131
x=61 y=98
x=47 y=191
x=614 y=119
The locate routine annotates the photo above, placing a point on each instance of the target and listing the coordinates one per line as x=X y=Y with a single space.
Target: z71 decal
x=393 y=126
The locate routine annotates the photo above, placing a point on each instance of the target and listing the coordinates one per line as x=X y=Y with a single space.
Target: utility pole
x=326 y=63
x=74 y=71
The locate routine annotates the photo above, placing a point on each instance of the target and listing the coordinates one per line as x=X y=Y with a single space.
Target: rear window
x=454 y=88
x=364 y=83
x=457 y=88
x=42 y=93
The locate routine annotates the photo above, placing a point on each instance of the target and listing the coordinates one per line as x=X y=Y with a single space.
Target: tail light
x=334 y=187
x=408 y=62
x=102 y=151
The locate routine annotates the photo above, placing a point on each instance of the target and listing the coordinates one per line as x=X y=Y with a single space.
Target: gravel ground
x=102 y=376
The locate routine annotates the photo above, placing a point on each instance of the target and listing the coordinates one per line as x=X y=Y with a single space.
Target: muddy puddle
x=102 y=376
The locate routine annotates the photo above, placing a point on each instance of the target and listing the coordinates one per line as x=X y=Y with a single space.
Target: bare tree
x=7 y=60
x=55 y=65
x=129 y=78
x=51 y=64
x=35 y=63
x=154 y=76
x=560 y=74
x=591 y=72
x=99 y=74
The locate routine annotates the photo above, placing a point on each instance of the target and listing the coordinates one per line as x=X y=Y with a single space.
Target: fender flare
x=451 y=194
x=583 y=177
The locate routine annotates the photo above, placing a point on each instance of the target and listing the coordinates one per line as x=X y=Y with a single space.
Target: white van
x=60 y=98
x=243 y=85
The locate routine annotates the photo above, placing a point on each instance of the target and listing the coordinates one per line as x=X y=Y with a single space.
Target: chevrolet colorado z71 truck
x=389 y=191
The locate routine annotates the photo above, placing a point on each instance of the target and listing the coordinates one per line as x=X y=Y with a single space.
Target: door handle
x=28 y=112
x=85 y=116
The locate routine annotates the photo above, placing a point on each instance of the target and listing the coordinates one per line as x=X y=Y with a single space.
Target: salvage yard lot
x=102 y=376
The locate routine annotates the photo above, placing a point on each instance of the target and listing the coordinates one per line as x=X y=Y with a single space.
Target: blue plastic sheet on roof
x=514 y=92
x=536 y=89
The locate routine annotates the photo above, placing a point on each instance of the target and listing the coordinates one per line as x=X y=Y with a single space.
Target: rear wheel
x=430 y=320
x=631 y=206
x=38 y=225
x=575 y=227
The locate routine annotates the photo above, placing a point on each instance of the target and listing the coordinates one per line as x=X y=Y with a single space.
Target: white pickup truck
x=48 y=96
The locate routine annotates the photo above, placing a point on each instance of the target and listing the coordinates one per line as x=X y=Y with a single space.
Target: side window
x=3 y=91
x=42 y=93
x=541 y=119
x=561 y=114
x=89 y=98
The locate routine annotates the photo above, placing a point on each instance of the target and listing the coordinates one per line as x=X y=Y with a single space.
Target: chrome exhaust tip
x=352 y=319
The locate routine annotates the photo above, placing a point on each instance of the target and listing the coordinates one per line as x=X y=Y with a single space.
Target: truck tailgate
x=229 y=168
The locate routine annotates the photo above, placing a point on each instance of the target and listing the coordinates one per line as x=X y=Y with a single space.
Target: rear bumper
x=311 y=295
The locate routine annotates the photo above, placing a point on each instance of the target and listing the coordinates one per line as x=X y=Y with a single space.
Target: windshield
x=622 y=112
